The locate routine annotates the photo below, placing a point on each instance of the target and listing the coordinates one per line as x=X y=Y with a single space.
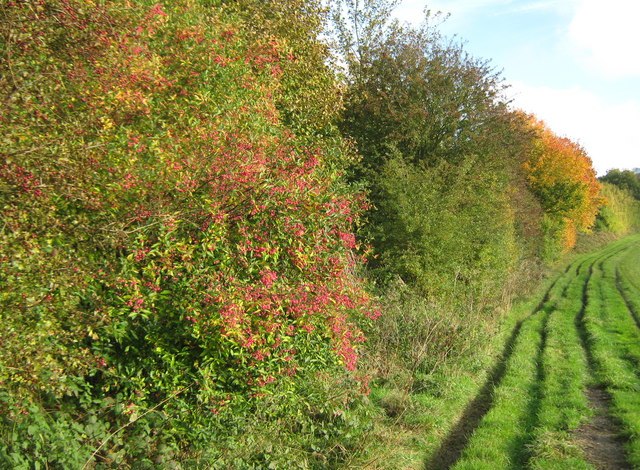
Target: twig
x=42 y=147
x=175 y=394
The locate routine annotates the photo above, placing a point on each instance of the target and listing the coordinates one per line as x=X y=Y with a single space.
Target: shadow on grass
x=452 y=447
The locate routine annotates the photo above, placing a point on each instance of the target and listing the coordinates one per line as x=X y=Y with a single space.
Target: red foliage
x=222 y=239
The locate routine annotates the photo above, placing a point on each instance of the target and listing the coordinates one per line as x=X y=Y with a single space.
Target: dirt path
x=599 y=439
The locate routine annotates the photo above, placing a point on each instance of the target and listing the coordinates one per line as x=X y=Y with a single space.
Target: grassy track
x=615 y=341
x=582 y=339
x=628 y=281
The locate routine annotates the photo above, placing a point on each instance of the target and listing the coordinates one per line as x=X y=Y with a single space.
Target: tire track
x=543 y=427
x=599 y=438
x=614 y=279
x=457 y=440
x=579 y=322
x=623 y=293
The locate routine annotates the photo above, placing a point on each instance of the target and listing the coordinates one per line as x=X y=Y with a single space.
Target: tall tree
x=420 y=109
x=624 y=179
x=561 y=175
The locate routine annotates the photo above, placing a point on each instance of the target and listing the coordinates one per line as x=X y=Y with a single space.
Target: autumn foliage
x=562 y=177
x=167 y=239
x=182 y=240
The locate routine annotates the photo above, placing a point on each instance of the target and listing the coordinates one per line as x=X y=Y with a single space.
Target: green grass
x=429 y=412
x=564 y=370
x=622 y=325
x=615 y=344
x=502 y=437
x=578 y=332
x=628 y=281
x=630 y=266
x=505 y=429
x=541 y=401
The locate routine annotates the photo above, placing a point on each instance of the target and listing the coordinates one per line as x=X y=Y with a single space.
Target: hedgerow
x=176 y=240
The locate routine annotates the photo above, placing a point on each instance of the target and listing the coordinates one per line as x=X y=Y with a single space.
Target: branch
x=175 y=394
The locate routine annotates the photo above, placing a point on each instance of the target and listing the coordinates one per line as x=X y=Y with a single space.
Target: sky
x=575 y=64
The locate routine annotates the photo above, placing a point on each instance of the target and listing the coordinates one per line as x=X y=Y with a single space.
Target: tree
x=624 y=179
x=438 y=153
x=562 y=177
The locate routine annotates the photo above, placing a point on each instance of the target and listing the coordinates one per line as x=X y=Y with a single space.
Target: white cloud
x=608 y=132
x=542 y=5
x=464 y=6
x=607 y=36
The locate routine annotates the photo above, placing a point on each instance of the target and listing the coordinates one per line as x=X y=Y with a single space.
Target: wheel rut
x=623 y=294
x=600 y=437
x=451 y=449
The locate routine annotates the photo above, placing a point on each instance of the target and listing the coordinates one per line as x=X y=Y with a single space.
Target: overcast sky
x=573 y=63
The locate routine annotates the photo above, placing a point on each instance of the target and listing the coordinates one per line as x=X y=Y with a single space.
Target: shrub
x=177 y=239
x=620 y=214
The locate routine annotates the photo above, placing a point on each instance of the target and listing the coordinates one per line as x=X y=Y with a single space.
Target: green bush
x=443 y=230
x=620 y=213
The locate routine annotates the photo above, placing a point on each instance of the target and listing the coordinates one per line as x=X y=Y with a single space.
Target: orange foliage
x=569 y=235
x=561 y=175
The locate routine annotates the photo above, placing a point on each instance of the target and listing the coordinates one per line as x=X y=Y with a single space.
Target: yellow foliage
x=561 y=175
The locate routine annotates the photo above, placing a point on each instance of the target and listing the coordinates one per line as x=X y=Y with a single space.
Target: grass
x=623 y=323
x=507 y=434
x=628 y=281
x=564 y=373
x=615 y=344
x=504 y=431
x=585 y=326
x=429 y=413
x=580 y=331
